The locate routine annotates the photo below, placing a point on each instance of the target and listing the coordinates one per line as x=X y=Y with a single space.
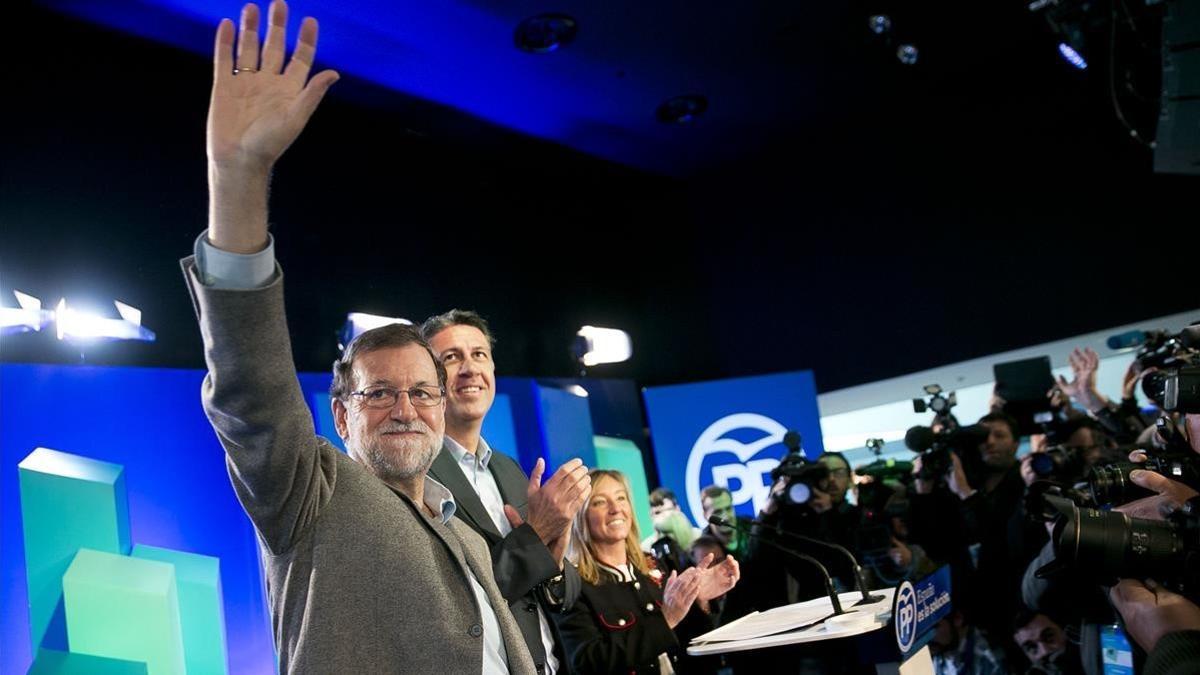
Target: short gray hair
x=384 y=337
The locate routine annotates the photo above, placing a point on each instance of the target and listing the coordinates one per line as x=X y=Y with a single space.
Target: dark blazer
x=618 y=627
x=521 y=562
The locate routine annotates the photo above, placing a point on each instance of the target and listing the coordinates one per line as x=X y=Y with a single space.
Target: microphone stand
x=859 y=580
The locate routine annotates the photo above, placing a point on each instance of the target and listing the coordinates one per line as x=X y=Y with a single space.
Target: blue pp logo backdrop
x=730 y=433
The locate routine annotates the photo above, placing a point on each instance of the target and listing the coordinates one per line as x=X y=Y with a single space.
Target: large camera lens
x=1154 y=386
x=1110 y=484
x=1111 y=545
x=1043 y=464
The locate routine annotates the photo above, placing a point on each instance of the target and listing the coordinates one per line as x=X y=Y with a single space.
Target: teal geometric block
x=51 y=662
x=67 y=503
x=201 y=611
x=124 y=608
x=624 y=455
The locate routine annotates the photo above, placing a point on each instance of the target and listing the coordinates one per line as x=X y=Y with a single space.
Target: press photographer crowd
x=1081 y=556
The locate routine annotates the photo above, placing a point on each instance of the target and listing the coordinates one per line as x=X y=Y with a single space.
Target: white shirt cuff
x=234 y=271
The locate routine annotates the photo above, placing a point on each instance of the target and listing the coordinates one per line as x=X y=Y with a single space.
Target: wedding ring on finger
x=247 y=69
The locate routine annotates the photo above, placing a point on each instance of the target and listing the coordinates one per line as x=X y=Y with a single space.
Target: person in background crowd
x=962 y=649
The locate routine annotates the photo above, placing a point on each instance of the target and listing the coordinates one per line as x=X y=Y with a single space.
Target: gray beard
x=389 y=468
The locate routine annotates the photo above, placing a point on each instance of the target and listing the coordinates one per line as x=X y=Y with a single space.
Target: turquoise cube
x=52 y=662
x=124 y=608
x=201 y=612
x=68 y=502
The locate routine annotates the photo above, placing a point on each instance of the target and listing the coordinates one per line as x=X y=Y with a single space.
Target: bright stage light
x=1073 y=57
x=29 y=316
x=73 y=324
x=358 y=323
x=594 y=346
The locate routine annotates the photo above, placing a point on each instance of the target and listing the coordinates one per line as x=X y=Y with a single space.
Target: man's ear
x=339 y=417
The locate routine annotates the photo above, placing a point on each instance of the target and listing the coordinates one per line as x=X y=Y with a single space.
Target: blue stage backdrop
x=730 y=432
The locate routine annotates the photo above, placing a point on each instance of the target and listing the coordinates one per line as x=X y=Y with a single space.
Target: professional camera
x=1107 y=545
x=1176 y=389
x=802 y=475
x=1058 y=463
x=1160 y=349
x=935 y=449
x=1110 y=485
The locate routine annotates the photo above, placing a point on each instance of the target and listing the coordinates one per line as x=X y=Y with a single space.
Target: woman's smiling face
x=609 y=514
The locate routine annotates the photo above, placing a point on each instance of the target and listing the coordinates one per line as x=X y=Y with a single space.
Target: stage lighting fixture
x=72 y=324
x=28 y=316
x=594 y=346
x=1073 y=57
x=879 y=24
x=545 y=33
x=578 y=390
x=681 y=109
x=358 y=323
x=907 y=54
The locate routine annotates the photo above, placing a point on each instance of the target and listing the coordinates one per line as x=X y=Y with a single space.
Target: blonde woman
x=629 y=617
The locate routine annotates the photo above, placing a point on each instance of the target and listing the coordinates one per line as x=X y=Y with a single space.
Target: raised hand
x=553 y=506
x=258 y=108
x=1082 y=387
x=716 y=580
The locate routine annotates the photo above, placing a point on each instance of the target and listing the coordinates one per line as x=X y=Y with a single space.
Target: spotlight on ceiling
x=681 y=109
x=28 y=316
x=358 y=323
x=73 y=324
x=1073 y=57
x=594 y=346
x=545 y=33
x=907 y=54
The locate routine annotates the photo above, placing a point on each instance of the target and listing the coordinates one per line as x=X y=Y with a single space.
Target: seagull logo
x=748 y=475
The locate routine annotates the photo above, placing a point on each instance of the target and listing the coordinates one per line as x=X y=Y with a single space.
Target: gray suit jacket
x=520 y=560
x=359 y=578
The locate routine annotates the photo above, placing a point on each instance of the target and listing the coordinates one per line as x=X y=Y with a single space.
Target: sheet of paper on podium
x=801 y=622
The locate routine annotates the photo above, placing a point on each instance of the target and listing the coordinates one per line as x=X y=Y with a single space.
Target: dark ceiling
x=833 y=209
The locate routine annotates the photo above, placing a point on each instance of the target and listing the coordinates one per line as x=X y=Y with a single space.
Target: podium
x=890 y=633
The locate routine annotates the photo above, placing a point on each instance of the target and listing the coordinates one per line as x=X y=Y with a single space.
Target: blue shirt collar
x=439 y=500
x=482 y=455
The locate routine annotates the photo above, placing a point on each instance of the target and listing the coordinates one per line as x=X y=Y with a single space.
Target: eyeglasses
x=386 y=397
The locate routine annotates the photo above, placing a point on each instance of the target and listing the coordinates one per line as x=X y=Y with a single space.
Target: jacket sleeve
x=595 y=643
x=281 y=471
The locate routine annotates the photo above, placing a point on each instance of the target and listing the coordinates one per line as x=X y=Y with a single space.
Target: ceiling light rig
x=73 y=324
x=358 y=323
x=28 y=316
x=545 y=33
x=681 y=110
x=594 y=346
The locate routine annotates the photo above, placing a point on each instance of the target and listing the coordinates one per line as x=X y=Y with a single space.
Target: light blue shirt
x=234 y=271
x=475 y=467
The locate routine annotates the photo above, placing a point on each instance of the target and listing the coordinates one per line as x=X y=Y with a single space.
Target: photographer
x=988 y=521
x=1164 y=623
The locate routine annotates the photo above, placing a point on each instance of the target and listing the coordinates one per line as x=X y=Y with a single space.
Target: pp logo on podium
x=905 y=615
x=746 y=476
